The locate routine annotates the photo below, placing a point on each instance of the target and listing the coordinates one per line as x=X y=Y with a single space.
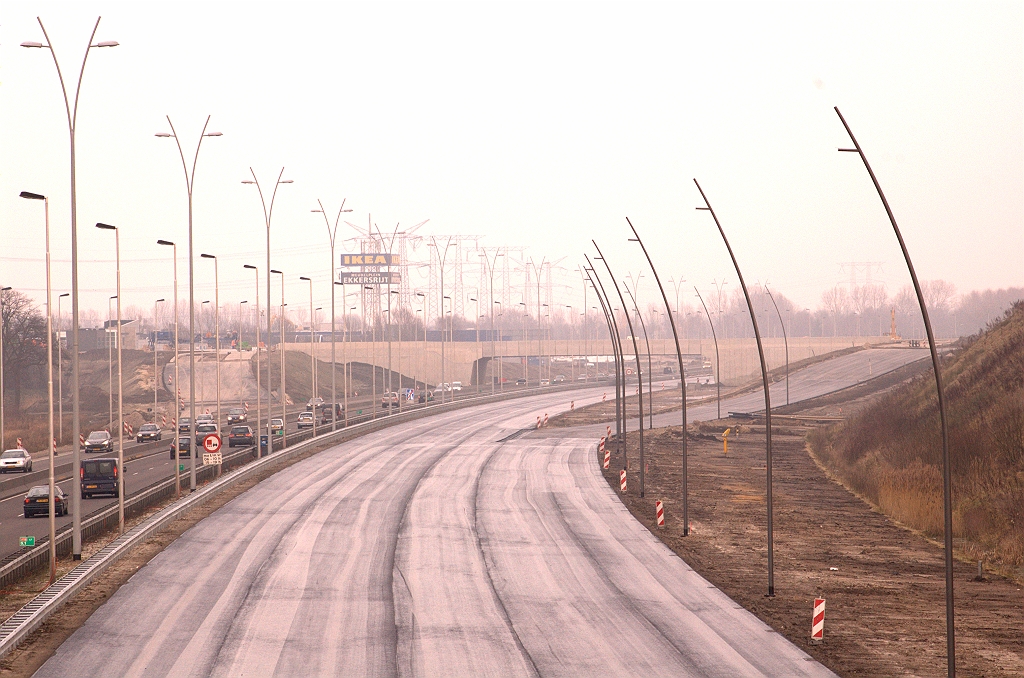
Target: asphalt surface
x=433 y=548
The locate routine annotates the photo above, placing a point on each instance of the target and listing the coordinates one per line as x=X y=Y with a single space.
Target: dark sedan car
x=184 y=425
x=148 y=432
x=99 y=441
x=237 y=415
x=37 y=501
x=241 y=435
x=183 y=447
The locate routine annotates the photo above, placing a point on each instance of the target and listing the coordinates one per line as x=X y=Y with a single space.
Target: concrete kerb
x=35 y=612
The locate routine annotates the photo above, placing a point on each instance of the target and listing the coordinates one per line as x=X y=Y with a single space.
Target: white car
x=15 y=460
x=305 y=419
x=456 y=385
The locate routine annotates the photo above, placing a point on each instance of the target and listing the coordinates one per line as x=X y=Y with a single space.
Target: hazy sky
x=532 y=124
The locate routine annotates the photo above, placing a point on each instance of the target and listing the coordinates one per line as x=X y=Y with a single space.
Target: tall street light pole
x=259 y=392
x=268 y=213
x=613 y=331
x=332 y=233
x=682 y=373
x=947 y=488
x=640 y=381
x=189 y=184
x=110 y=364
x=344 y=354
x=2 y=290
x=312 y=356
x=767 y=395
x=241 y=401
x=785 y=337
x=49 y=383
x=177 y=386
x=283 y=397
x=441 y=258
x=60 y=374
x=718 y=363
x=156 y=367
x=120 y=386
x=636 y=352
x=216 y=327
x=72 y=115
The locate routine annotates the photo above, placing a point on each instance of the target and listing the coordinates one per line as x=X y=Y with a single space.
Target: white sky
x=533 y=124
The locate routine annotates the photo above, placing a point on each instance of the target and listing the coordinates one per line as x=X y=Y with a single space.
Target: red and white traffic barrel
x=659 y=513
x=622 y=480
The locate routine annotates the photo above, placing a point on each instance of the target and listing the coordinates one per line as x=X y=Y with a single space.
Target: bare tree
x=25 y=342
x=836 y=303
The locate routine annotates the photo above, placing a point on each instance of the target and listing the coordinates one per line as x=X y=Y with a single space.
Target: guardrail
x=36 y=611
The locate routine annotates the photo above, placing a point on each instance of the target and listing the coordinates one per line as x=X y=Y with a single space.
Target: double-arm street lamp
x=72 y=115
x=312 y=354
x=268 y=213
x=332 y=233
x=189 y=184
x=120 y=385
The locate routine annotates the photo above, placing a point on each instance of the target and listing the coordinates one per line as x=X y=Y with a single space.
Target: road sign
x=26 y=541
x=211 y=443
x=213 y=459
x=369 y=278
x=181 y=468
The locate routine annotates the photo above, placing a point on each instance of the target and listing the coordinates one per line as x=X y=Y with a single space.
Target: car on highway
x=559 y=379
x=237 y=415
x=389 y=400
x=241 y=435
x=99 y=476
x=148 y=432
x=99 y=441
x=203 y=430
x=582 y=377
x=456 y=385
x=314 y=404
x=545 y=382
x=184 y=449
x=205 y=418
x=184 y=425
x=17 y=459
x=520 y=382
x=276 y=425
x=37 y=501
x=305 y=420
x=326 y=411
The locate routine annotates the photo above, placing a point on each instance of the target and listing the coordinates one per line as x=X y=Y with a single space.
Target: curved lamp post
x=284 y=398
x=682 y=373
x=718 y=362
x=617 y=357
x=189 y=184
x=785 y=337
x=947 y=489
x=767 y=396
x=636 y=352
x=76 y=448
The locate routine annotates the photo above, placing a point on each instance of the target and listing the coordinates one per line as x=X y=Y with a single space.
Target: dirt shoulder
x=883 y=585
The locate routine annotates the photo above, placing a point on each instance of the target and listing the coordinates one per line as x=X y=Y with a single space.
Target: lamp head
x=302 y=277
x=163 y=135
x=32 y=196
x=32 y=44
x=207 y=256
x=106 y=227
x=106 y=43
x=165 y=242
x=249 y=266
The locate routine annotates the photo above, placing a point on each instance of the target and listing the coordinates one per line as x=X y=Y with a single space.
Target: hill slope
x=891 y=452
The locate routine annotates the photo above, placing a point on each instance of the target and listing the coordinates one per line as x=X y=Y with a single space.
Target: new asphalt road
x=446 y=546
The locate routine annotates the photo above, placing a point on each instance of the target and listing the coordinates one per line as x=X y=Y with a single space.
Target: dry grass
x=891 y=453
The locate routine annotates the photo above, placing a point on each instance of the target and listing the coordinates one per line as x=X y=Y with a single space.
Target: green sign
x=279 y=432
x=26 y=541
x=359 y=411
x=181 y=468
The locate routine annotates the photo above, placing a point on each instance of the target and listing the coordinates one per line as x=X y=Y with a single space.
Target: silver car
x=15 y=460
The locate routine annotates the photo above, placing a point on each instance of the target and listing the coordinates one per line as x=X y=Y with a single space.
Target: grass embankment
x=891 y=453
